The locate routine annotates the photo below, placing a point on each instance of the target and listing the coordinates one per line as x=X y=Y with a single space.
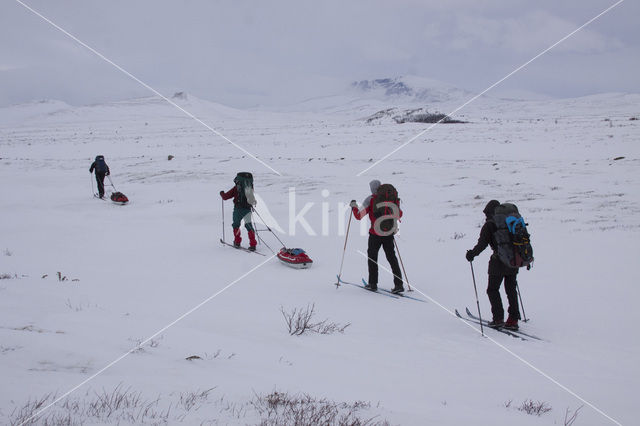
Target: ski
x=98 y=197
x=403 y=295
x=486 y=323
x=240 y=248
x=396 y=295
x=501 y=330
x=340 y=281
x=386 y=292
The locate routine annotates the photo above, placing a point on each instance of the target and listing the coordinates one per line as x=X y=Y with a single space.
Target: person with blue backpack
x=498 y=271
x=102 y=170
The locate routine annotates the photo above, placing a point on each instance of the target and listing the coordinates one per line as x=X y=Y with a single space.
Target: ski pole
x=344 y=250
x=91 y=178
x=268 y=229
x=223 y=238
x=402 y=264
x=477 y=301
x=520 y=297
x=263 y=242
x=111 y=182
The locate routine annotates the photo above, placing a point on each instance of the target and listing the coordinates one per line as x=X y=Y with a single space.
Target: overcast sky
x=245 y=53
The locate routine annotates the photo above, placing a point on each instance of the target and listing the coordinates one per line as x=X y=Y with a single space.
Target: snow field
x=141 y=266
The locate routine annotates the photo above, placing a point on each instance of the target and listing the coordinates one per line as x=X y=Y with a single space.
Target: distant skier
x=243 y=201
x=383 y=208
x=498 y=272
x=102 y=170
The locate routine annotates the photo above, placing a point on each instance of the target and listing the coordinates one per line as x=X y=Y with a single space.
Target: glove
x=221 y=193
x=469 y=255
x=353 y=203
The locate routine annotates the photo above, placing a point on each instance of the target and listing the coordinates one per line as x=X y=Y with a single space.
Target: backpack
x=385 y=194
x=244 y=183
x=101 y=166
x=514 y=245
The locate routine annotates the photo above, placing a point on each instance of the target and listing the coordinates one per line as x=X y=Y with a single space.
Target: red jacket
x=232 y=193
x=368 y=210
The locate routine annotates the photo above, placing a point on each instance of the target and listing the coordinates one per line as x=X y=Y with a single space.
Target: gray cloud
x=244 y=53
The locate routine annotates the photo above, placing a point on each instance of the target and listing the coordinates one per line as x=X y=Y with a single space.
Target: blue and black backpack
x=101 y=166
x=514 y=242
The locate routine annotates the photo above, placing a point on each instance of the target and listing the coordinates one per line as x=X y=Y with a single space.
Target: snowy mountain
x=144 y=316
x=365 y=97
x=409 y=89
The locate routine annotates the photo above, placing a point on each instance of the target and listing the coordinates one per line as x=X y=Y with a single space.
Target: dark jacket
x=496 y=267
x=106 y=172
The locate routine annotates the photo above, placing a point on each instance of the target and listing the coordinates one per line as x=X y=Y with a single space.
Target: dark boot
x=496 y=323
x=512 y=323
x=397 y=290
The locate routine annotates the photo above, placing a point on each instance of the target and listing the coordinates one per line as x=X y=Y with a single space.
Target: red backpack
x=385 y=195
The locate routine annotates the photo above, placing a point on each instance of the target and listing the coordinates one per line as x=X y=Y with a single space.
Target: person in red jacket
x=243 y=201
x=383 y=216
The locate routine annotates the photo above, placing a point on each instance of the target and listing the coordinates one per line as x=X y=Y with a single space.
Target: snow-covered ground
x=132 y=270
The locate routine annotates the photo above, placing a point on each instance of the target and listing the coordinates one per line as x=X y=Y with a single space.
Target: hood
x=374 y=185
x=491 y=207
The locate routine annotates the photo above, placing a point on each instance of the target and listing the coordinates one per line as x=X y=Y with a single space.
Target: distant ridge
x=409 y=88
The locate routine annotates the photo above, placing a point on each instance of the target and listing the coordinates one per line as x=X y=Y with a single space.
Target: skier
x=498 y=272
x=243 y=201
x=102 y=170
x=383 y=227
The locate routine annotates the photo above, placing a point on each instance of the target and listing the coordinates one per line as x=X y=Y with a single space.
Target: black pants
x=493 y=291
x=100 y=181
x=375 y=242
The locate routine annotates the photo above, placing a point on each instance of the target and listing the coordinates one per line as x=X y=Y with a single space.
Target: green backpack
x=244 y=183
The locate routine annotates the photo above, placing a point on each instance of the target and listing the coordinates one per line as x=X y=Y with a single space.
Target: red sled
x=119 y=198
x=295 y=258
